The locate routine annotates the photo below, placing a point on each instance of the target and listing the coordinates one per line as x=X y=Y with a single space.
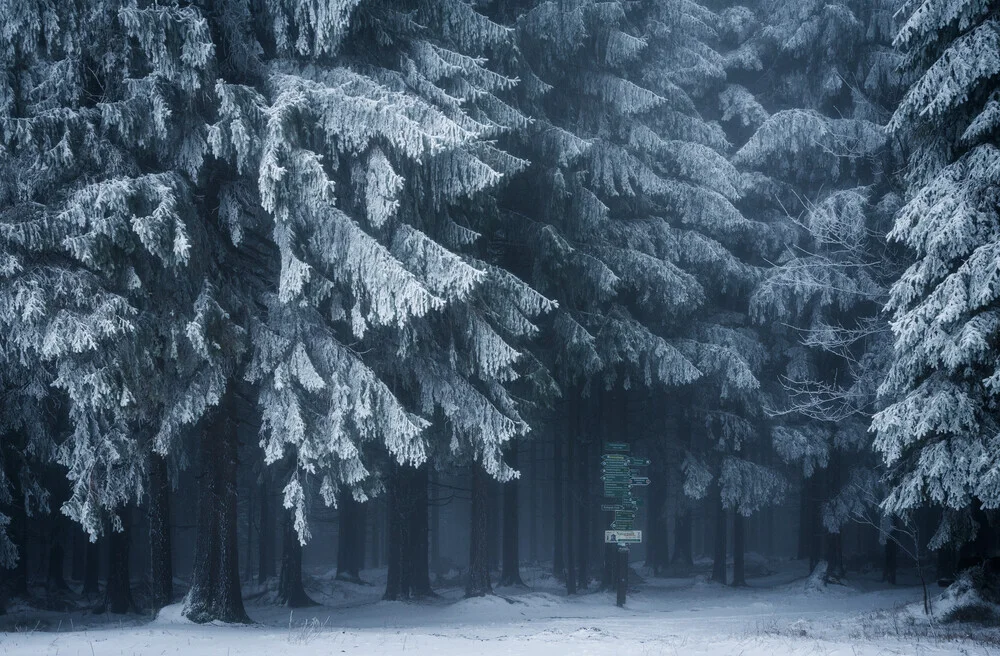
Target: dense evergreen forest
x=370 y=283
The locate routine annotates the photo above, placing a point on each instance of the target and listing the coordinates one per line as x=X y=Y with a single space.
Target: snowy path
x=668 y=617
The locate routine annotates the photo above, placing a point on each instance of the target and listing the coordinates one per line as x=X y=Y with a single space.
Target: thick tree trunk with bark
x=891 y=556
x=56 y=580
x=435 y=527
x=349 y=523
x=215 y=593
x=265 y=542
x=739 y=550
x=834 y=547
x=19 y=535
x=802 y=550
x=571 y=548
x=511 y=571
x=397 y=584
x=291 y=592
x=558 y=550
x=161 y=582
x=658 y=549
x=494 y=492
x=583 y=516
x=683 y=533
x=533 y=504
x=479 y=583
x=814 y=525
x=378 y=532
x=118 y=592
x=408 y=535
x=719 y=540
x=419 y=543
x=91 y=585
x=78 y=559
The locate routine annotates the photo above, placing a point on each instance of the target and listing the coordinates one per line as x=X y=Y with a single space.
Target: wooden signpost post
x=619 y=474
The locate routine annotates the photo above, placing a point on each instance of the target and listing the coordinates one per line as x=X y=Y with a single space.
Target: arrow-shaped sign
x=638 y=462
x=640 y=480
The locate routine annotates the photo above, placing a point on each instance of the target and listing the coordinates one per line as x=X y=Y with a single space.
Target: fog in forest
x=499 y=326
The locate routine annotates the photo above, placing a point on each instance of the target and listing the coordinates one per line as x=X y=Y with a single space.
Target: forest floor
x=781 y=613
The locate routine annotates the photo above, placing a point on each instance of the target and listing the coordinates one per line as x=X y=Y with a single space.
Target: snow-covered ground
x=778 y=615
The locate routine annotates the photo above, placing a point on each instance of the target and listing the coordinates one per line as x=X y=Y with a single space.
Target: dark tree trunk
x=558 y=549
x=118 y=592
x=572 y=549
x=834 y=542
x=813 y=521
x=608 y=569
x=19 y=533
x=56 y=580
x=533 y=503
x=583 y=516
x=79 y=557
x=479 y=583
x=657 y=551
x=683 y=529
x=161 y=582
x=291 y=592
x=349 y=523
x=511 y=571
x=419 y=544
x=265 y=542
x=91 y=573
x=739 y=550
x=435 y=527
x=946 y=562
x=493 y=494
x=378 y=534
x=215 y=593
x=397 y=583
x=683 y=556
x=719 y=540
x=802 y=552
x=891 y=556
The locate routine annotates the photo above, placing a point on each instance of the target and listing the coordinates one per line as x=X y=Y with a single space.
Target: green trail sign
x=618 y=499
x=638 y=462
x=619 y=447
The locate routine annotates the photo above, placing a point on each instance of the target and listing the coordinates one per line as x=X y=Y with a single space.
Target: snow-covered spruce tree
x=627 y=214
x=396 y=159
x=808 y=86
x=939 y=432
x=251 y=188
x=120 y=289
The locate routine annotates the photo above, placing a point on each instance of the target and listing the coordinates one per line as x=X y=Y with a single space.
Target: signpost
x=620 y=473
